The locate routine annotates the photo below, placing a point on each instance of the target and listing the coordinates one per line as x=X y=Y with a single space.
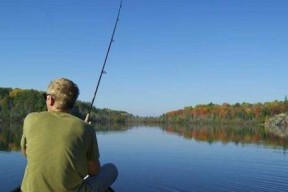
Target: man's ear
x=51 y=101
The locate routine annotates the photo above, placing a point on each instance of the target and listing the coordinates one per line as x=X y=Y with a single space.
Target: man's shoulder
x=88 y=126
x=82 y=122
x=36 y=114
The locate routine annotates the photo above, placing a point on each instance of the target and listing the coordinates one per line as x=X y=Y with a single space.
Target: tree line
x=16 y=103
x=227 y=113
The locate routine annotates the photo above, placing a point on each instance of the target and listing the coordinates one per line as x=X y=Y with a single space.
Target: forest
x=16 y=103
x=244 y=113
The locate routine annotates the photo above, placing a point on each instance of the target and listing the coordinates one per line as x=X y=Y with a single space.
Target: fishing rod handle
x=87 y=118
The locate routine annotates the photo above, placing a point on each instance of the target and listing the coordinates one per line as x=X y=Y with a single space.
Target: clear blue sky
x=167 y=54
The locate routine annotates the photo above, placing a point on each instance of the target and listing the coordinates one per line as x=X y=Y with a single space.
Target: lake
x=176 y=158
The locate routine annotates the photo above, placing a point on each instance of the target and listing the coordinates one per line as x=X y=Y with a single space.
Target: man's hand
x=93 y=167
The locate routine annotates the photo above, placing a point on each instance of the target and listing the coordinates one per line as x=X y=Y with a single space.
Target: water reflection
x=10 y=135
x=145 y=154
x=238 y=134
x=115 y=127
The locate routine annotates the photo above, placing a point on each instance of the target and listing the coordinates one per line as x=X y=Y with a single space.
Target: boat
x=17 y=189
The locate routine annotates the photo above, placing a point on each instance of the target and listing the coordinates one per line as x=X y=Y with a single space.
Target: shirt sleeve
x=23 y=142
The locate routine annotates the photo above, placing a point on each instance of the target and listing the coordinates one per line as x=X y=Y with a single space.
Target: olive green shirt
x=58 y=146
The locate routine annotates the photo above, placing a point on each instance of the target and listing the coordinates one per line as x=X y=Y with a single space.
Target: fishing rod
x=104 y=64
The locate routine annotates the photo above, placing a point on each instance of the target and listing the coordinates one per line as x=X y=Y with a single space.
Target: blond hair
x=65 y=93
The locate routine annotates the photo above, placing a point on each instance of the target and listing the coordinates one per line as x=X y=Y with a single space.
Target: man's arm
x=93 y=163
x=23 y=151
x=93 y=167
x=23 y=145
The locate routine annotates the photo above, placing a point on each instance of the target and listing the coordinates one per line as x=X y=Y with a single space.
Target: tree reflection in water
x=10 y=135
x=238 y=134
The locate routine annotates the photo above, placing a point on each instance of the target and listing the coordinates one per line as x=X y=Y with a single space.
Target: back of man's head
x=64 y=92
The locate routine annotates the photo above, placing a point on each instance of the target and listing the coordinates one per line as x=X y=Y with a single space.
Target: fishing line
x=104 y=64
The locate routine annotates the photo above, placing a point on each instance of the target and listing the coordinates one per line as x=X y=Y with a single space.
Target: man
x=61 y=149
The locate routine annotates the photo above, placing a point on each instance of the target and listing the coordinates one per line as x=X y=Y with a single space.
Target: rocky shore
x=278 y=125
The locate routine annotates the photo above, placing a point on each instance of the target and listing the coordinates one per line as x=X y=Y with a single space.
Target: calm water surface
x=156 y=159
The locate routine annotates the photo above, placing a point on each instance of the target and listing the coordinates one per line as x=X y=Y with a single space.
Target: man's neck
x=59 y=110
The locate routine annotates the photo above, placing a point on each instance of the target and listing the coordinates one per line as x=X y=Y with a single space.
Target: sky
x=167 y=55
